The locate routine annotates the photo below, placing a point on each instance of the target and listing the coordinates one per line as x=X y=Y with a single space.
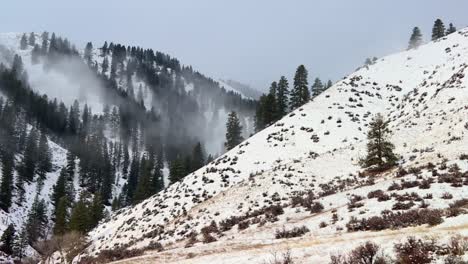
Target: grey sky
x=252 y=41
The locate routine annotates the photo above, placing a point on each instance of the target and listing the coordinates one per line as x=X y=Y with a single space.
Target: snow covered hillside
x=257 y=188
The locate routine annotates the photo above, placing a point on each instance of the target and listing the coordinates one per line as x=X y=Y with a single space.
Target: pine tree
x=143 y=189
x=21 y=244
x=198 y=157
x=80 y=218
x=282 y=97
x=7 y=240
x=24 y=42
x=96 y=211
x=61 y=216
x=233 y=131
x=415 y=39
x=451 y=29
x=6 y=186
x=317 y=87
x=379 y=148
x=32 y=39
x=176 y=170
x=37 y=221
x=59 y=190
x=329 y=84
x=29 y=162
x=70 y=169
x=45 y=157
x=300 y=93
x=35 y=53
x=45 y=43
x=105 y=66
x=157 y=180
x=438 y=31
x=88 y=53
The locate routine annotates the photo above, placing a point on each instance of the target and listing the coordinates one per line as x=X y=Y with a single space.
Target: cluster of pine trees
x=281 y=100
x=438 y=31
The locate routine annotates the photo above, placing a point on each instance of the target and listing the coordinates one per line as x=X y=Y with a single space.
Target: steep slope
x=315 y=149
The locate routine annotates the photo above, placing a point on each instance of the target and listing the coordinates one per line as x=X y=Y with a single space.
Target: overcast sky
x=252 y=41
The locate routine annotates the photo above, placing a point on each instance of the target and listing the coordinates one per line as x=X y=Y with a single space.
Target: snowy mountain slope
x=315 y=148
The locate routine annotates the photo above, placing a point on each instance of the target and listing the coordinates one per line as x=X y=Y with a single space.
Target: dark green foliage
x=88 y=53
x=300 y=93
x=451 y=29
x=7 y=240
x=438 y=31
x=282 y=94
x=379 y=148
x=32 y=39
x=233 y=131
x=44 y=157
x=28 y=165
x=24 y=42
x=317 y=87
x=61 y=216
x=415 y=39
x=6 y=186
x=37 y=221
x=80 y=219
x=177 y=170
x=198 y=157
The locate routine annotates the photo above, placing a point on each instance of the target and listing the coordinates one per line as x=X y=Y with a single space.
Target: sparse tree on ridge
x=32 y=39
x=282 y=97
x=317 y=87
x=438 y=31
x=300 y=93
x=451 y=29
x=415 y=39
x=24 y=42
x=233 y=131
x=379 y=148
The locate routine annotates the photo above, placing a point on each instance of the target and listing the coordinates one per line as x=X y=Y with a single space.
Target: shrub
x=295 y=232
x=363 y=254
x=244 y=225
x=316 y=207
x=415 y=251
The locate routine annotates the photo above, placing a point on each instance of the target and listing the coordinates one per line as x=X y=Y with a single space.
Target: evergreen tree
x=451 y=29
x=282 y=97
x=233 y=131
x=415 y=39
x=70 y=169
x=133 y=178
x=37 y=221
x=96 y=211
x=379 y=148
x=317 y=87
x=144 y=188
x=438 y=31
x=61 y=216
x=59 y=190
x=45 y=43
x=6 y=186
x=329 y=84
x=198 y=157
x=35 y=53
x=21 y=244
x=105 y=66
x=300 y=93
x=157 y=180
x=7 y=240
x=80 y=218
x=32 y=39
x=176 y=170
x=45 y=157
x=88 y=53
x=24 y=42
x=29 y=162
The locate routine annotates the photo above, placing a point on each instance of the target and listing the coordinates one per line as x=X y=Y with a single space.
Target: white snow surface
x=424 y=95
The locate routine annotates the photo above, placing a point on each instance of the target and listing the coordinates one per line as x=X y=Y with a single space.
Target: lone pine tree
x=379 y=149
x=415 y=39
x=233 y=131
